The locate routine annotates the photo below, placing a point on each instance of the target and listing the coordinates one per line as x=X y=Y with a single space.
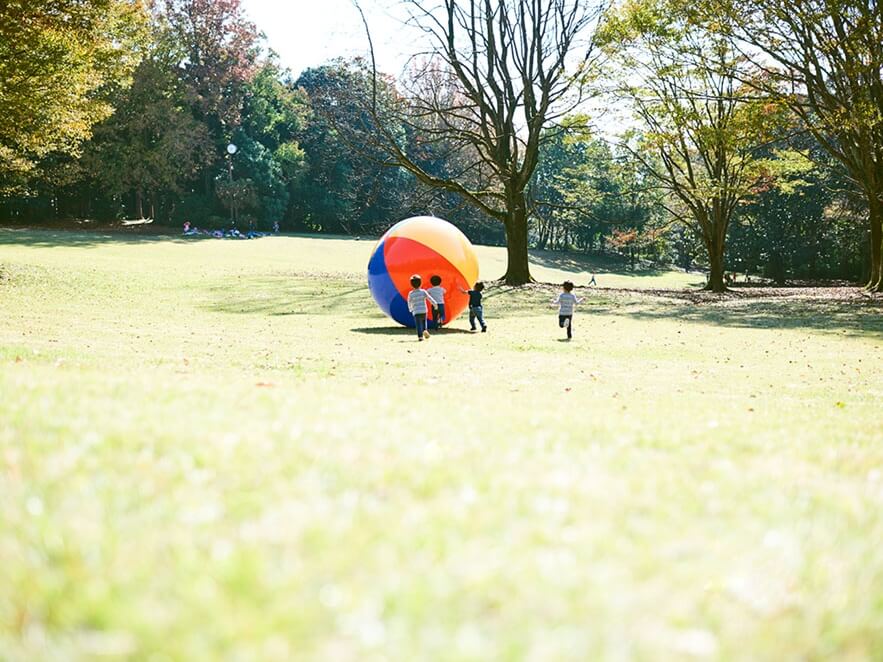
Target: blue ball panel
x=400 y=313
x=384 y=290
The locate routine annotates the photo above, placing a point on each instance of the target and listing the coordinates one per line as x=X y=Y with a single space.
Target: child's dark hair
x=567 y=285
x=435 y=280
x=479 y=286
x=416 y=280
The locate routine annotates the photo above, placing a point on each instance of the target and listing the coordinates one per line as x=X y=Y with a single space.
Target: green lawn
x=222 y=450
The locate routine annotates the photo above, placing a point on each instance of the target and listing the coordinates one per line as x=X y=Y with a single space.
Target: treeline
x=117 y=109
x=159 y=147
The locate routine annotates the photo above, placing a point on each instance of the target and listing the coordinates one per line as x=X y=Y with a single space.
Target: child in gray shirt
x=417 y=299
x=437 y=292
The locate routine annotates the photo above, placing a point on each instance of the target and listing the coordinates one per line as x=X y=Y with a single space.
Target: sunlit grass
x=221 y=450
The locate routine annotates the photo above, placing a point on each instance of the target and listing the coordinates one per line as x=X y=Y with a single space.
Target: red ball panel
x=406 y=257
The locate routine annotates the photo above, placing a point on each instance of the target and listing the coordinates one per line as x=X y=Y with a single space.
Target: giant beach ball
x=427 y=246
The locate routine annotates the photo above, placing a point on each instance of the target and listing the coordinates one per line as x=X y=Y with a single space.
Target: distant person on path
x=593 y=281
x=437 y=292
x=476 y=309
x=566 y=301
x=417 y=299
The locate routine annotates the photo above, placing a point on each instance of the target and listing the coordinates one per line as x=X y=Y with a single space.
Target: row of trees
x=756 y=143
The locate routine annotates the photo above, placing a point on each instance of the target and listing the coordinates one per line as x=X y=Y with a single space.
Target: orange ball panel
x=406 y=257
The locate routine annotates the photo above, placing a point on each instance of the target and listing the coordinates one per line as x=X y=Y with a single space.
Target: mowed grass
x=222 y=450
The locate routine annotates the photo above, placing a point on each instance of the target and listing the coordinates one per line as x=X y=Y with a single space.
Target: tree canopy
x=61 y=61
x=754 y=140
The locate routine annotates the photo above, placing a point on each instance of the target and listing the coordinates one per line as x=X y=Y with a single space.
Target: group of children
x=419 y=301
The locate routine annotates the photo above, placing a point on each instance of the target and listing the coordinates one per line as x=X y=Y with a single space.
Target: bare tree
x=825 y=59
x=495 y=74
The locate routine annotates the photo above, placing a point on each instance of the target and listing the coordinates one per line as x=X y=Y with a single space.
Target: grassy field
x=221 y=450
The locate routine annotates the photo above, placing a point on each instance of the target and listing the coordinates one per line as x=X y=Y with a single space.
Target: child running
x=417 y=299
x=437 y=292
x=566 y=301
x=476 y=310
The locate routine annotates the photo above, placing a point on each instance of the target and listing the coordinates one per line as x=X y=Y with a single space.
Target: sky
x=307 y=33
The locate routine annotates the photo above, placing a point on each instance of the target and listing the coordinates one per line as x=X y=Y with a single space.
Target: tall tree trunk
x=875 y=213
x=716 y=273
x=715 y=238
x=544 y=238
x=139 y=203
x=777 y=268
x=518 y=268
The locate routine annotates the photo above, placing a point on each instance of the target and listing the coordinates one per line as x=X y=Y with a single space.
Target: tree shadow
x=830 y=310
x=285 y=295
x=85 y=235
x=512 y=301
x=856 y=316
x=599 y=264
x=90 y=238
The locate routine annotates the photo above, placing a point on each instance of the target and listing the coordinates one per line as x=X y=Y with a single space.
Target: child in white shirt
x=566 y=301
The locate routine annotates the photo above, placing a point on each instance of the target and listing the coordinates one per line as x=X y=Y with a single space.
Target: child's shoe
x=426 y=334
x=484 y=329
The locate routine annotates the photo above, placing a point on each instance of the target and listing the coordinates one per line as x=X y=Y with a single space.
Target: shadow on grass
x=89 y=237
x=504 y=301
x=402 y=331
x=290 y=295
x=857 y=318
x=600 y=264
x=848 y=313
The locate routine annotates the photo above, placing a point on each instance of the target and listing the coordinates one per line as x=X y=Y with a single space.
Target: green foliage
x=586 y=193
x=703 y=122
x=348 y=186
x=60 y=64
x=797 y=226
x=152 y=143
x=274 y=116
x=113 y=111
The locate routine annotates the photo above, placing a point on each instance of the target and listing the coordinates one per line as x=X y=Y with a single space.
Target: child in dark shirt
x=476 y=309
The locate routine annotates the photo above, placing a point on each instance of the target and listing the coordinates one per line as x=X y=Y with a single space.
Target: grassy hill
x=222 y=450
